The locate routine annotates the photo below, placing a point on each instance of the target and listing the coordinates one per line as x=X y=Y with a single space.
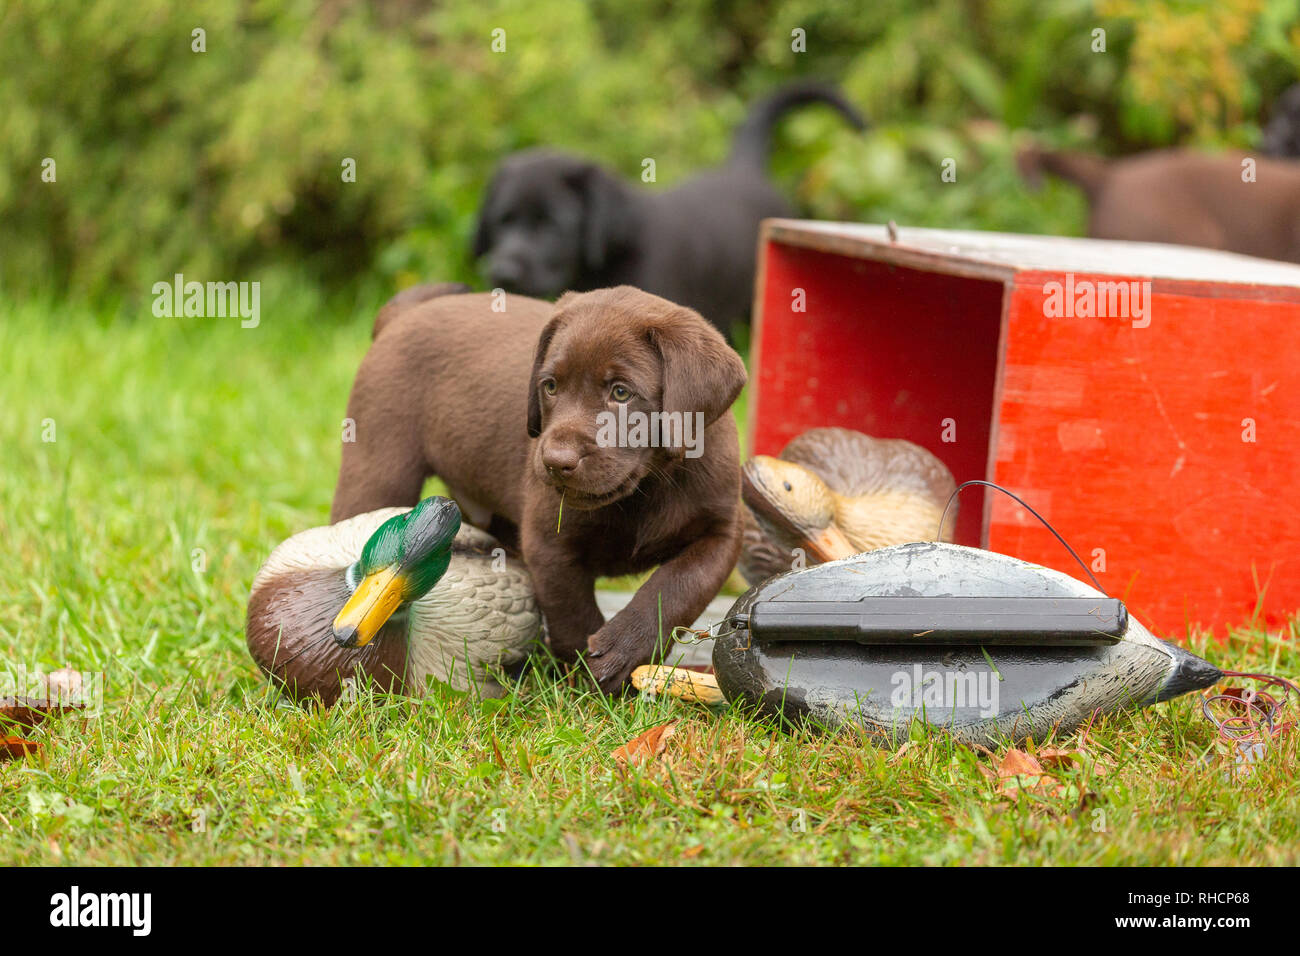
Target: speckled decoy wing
x=482 y=614
x=852 y=463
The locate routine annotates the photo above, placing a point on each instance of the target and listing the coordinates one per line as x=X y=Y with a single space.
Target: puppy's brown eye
x=788 y=486
x=620 y=393
x=548 y=386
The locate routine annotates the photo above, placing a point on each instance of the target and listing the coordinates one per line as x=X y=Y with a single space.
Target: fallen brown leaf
x=27 y=712
x=1018 y=763
x=646 y=746
x=1021 y=772
x=12 y=748
x=1054 y=756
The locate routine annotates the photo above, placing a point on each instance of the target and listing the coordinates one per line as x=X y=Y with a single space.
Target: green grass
x=177 y=435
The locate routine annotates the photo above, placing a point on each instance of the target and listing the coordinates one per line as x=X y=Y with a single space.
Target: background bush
x=226 y=164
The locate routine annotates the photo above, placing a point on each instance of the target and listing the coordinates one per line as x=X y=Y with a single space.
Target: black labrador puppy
x=552 y=222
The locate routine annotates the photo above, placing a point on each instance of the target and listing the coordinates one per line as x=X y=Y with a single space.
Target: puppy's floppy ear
x=608 y=225
x=534 y=400
x=701 y=372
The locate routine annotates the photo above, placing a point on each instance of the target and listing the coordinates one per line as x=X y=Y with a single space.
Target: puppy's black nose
x=560 y=461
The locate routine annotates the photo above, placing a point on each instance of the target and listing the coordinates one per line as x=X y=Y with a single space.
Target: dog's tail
x=1084 y=169
x=413 y=296
x=753 y=140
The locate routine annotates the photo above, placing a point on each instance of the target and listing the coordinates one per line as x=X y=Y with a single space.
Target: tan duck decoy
x=833 y=492
x=398 y=596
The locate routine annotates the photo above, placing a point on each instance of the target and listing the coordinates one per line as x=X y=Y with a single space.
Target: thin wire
x=1253 y=716
x=988 y=484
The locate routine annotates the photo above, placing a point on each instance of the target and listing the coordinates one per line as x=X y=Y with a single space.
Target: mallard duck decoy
x=833 y=492
x=400 y=595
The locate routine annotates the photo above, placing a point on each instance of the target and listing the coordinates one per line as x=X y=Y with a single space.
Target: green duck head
x=400 y=563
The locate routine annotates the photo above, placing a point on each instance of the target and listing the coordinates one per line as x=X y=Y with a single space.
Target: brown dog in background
x=1184 y=197
x=503 y=406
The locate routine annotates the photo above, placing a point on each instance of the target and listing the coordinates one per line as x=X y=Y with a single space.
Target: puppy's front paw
x=611 y=659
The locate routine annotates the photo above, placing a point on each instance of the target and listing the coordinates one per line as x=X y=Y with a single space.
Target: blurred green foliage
x=228 y=163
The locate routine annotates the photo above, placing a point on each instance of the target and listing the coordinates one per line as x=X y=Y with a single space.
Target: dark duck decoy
x=807 y=644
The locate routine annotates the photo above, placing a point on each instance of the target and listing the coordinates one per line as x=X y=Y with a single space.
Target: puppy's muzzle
x=560 y=462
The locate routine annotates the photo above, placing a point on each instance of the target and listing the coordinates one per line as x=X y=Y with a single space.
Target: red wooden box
x=1161 y=438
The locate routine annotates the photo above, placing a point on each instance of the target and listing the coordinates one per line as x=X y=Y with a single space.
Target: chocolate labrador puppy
x=541 y=419
x=1184 y=197
x=551 y=221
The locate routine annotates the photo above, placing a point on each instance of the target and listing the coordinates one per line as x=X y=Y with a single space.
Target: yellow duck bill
x=376 y=598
